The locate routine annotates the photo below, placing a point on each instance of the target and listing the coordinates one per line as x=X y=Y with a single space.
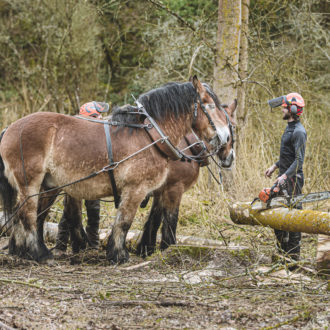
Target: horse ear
x=197 y=84
x=190 y=79
x=232 y=107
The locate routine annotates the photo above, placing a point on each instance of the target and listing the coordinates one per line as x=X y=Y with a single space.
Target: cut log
x=323 y=254
x=50 y=233
x=306 y=221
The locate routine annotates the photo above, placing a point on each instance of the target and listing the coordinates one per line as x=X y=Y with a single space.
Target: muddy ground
x=184 y=287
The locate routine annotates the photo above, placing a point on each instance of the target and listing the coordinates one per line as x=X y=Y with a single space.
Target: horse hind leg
x=46 y=200
x=26 y=241
x=147 y=244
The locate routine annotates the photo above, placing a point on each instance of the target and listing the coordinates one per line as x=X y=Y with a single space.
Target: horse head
x=226 y=153
x=214 y=123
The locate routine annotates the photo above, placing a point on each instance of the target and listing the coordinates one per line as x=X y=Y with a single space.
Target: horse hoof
x=144 y=250
x=115 y=257
x=49 y=261
x=31 y=250
x=58 y=253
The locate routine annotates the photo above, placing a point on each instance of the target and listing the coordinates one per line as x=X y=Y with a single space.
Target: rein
x=106 y=168
x=112 y=165
x=176 y=152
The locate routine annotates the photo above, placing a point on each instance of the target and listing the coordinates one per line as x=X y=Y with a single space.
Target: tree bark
x=306 y=221
x=227 y=58
x=243 y=69
x=228 y=46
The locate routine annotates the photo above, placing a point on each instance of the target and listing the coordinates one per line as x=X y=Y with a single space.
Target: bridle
x=216 y=136
x=230 y=125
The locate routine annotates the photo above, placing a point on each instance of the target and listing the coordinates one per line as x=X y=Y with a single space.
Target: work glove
x=281 y=180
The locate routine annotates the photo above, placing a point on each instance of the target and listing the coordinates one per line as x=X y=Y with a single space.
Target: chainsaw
x=277 y=196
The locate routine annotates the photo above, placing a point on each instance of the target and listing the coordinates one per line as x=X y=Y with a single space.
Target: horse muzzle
x=228 y=161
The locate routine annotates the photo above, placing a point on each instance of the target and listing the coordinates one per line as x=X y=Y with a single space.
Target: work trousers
x=288 y=242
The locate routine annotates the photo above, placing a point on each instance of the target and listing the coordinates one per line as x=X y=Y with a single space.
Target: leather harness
x=164 y=145
x=110 y=156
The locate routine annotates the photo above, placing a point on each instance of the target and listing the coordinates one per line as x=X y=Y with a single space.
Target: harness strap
x=116 y=123
x=197 y=149
x=111 y=162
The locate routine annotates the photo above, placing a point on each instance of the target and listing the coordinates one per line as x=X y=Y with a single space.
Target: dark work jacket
x=292 y=151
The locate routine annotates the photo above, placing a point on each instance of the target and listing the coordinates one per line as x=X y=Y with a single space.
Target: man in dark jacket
x=91 y=109
x=290 y=164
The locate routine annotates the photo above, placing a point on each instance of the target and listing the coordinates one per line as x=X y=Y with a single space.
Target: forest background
x=57 y=55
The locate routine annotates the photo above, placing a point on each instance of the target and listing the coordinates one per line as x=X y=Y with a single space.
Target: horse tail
x=7 y=192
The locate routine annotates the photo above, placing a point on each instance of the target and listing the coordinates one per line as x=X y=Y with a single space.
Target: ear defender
x=293 y=109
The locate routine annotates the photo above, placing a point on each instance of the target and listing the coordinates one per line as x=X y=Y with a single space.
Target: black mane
x=123 y=115
x=213 y=95
x=172 y=98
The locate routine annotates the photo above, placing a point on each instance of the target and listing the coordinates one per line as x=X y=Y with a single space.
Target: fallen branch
x=142 y=264
x=164 y=303
x=4 y=280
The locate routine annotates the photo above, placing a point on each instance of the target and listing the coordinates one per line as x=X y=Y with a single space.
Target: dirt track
x=181 y=288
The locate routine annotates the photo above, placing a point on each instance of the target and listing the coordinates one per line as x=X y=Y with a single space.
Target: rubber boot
x=282 y=241
x=93 y=222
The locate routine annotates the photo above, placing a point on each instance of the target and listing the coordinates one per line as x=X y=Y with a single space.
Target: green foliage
x=190 y=10
x=48 y=56
x=57 y=54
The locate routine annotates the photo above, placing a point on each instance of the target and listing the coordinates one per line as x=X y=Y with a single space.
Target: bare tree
x=243 y=67
x=227 y=57
x=228 y=46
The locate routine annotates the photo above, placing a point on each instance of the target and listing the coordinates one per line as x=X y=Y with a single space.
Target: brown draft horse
x=46 y=151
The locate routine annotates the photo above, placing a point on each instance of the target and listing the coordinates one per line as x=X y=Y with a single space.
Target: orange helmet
x=93 y=109
x=294 y=102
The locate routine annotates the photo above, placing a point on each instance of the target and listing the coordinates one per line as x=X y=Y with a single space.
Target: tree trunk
x=306 y=221
x=227 y=57
x=243 y=69
x=228 y=46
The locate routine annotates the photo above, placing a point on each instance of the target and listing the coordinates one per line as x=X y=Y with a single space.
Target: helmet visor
x=277 y=102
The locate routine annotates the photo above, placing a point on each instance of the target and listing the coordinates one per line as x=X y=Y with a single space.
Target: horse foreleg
x=147 y=243
x=25 y=241
x=171 y=199
x=170 y=221
x=116 y=247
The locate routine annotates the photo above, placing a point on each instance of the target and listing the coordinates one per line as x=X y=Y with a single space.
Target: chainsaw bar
x=282 y=201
